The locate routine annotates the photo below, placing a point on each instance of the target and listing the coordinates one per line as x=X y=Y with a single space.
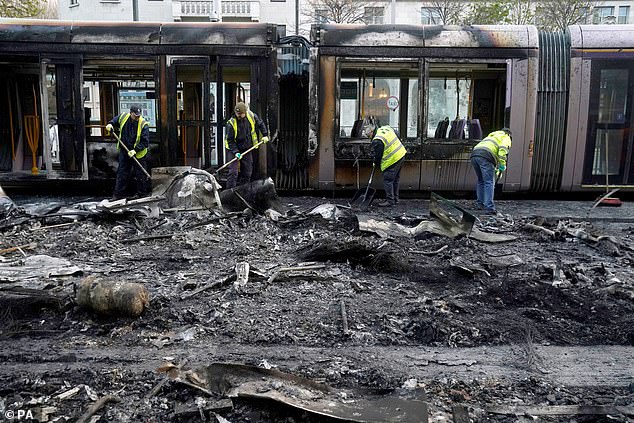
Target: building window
x=373 y=15
x=586 y=16
x=321 y=16
x=624 y=14
x=430 y=16
x=281 y=1
x=603 y=14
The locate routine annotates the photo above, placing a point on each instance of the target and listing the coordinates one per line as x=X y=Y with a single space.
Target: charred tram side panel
x=442 y=88
x=62 y=82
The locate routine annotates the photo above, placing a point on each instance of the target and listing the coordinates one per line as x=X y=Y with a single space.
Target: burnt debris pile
x=180 y=307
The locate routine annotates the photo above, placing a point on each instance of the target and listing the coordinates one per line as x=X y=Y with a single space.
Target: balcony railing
x=196 y=8
x=236 y=8
x=246 y=9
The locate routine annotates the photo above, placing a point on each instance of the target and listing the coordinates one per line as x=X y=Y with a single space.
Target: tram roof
x=475 y=36
x=602 y=36
x=154 y=33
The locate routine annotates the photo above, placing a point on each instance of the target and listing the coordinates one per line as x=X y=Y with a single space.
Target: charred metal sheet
x=458 y=150
x=243 y=34
x=481 y=36
x=121 y=33
x=477 y=36
x=353 y=150
x=23 y=30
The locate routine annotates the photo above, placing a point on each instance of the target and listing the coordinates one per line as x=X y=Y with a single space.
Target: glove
x=501 y=168
x=109 y=127
x=265 y=139
x=238 y=156
x=131 y=153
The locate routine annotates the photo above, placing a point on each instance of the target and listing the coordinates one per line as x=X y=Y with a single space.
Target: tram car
x=567 y=97
x=61 y=82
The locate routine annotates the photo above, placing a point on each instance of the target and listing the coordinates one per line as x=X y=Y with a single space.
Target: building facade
x=295 y=16
x=116 y=10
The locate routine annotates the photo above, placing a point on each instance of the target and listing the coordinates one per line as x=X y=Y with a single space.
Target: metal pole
x=135 y=10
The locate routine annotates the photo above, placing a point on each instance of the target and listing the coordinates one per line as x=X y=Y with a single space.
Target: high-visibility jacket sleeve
x=115 y=122
x=503 y=152
x=377 y=151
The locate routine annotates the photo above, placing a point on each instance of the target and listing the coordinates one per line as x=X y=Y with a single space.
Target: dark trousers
x=391 y=179
x=239 y=171
x=130 y=177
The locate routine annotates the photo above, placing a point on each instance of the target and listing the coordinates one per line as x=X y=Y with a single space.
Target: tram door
x=188 y=106
x=235 y=80
x=608 y=157
x=63 y=119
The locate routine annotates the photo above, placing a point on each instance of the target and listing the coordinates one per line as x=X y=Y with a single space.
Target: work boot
x=385 y=203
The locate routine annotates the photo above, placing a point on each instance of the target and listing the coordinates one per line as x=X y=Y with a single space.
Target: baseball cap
x=241 y=108
x=136 y=110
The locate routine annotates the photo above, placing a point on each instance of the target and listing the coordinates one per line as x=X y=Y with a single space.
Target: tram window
x=464 y=100
x=412 y=108
x=611 y=113
x=129 y=97
x=448 y=101
x=379 y=100
x=375 y=93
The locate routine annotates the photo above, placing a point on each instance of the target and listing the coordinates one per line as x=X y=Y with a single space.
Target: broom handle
x=256 y=145
x=133 y=157
x=365 y=196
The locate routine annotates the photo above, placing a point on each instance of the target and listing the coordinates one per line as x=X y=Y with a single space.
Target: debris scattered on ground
x=390 y=309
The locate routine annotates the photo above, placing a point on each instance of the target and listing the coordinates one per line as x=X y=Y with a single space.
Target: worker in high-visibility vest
x=488 y=159
x=243 y=131
x=134 y=132
x=389 y=153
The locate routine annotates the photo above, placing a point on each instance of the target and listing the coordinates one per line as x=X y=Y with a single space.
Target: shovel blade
x=362 y=200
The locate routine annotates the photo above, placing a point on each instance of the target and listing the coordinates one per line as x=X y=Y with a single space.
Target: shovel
x=362 y=198
x=133 y=157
